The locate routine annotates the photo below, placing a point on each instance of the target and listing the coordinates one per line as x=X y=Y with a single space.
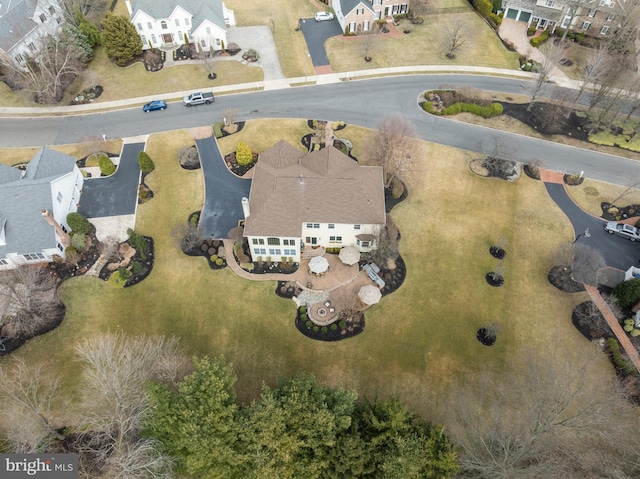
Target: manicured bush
x=135 y=267
x=628 y=292
x=79 y=241
x=106 y=165
x=452 y=109
x=244 y=157
x=635 y=332
x=219 y=262
x=427 y=106
x=484 y=7
x=213 y=257
x=536 y=42
x=628 y=327
x=247 y=266
x=217 y=130
x=70 y=249
x=308 y=324
x=342 y=324
x=497 y=19
x=145 y=162
x=138 y=242
x=78 y=223
x=303 y=316
x=333 y=327
x=619 y=360
x=316 y=329
x=324 y=329
x=496 y=108
x=303 y=309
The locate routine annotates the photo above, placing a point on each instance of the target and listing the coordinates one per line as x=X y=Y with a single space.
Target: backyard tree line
x=147 y=411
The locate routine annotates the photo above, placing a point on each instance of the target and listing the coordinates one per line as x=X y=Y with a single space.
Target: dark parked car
x=154 y=105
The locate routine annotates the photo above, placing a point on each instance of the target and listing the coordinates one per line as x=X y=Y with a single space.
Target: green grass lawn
x=417 y=340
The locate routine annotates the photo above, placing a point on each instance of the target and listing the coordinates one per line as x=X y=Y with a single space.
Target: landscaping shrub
x=219 y=262
x=213 y=257
x=303 y=316
x=531 y=31
x=78 y=223
x=635 y=332
x=138 y=242
x=106 y=165
x=303 y=309
x=427 y=106
x=244 y=156
x=333 y=327
x=136 y=267
x=247 y=266
x=342 y=324
x=536 y=42
x=496 y=108
x=619 y=360
x=79 y=241
x=145 y=162
x=323 y=329
x=628 y=292
x=497 y=19
x=217 y=130
x=484 y=111
x=316 y=329
x=308 y=324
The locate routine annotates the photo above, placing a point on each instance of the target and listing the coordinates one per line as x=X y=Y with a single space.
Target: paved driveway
x=618 y=252
x=223 y=193
x=118 y=194
x=315 y=34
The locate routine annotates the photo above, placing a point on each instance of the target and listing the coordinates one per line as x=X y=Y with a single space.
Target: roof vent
x=301 y=180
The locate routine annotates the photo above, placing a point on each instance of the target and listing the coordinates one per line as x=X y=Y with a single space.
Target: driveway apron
x=223 y=192
x=618 y=252
x=315 y=34
x=117 y=194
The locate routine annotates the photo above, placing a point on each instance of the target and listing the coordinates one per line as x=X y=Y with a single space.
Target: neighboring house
x=23 y=23
x=303 y=200
x=359 y=15
x=593 y=17
x=34 y=204
x=169 y=23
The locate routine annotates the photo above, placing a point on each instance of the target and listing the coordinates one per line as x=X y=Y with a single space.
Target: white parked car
x=621 y=229
x=320 y=16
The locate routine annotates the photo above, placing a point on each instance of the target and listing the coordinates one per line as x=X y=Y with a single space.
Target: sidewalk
x=624 y=340
x=279 y=84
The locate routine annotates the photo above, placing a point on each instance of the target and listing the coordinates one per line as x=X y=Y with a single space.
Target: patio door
x=386 y=11
x=312 y=240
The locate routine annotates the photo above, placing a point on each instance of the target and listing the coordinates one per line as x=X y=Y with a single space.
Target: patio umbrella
x=349 y=255
x=319 y=264
x=369 y=294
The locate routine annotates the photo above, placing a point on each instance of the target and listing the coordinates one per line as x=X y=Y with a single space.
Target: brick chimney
x=65 y=240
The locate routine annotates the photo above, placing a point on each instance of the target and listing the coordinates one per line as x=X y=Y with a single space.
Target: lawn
x=417 y=341
x=422 y=47
x=590 y=194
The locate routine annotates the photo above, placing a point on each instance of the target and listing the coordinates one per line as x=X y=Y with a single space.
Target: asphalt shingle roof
x=325 y=186
x=200 y=10
x=350 y=5
x=16 y=22
x=23 y=199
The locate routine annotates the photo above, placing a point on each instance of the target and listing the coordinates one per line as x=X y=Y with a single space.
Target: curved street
x=360 y=102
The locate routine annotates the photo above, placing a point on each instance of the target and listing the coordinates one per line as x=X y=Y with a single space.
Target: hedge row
x=537 y=41
x=493 y=109
x=619 y=360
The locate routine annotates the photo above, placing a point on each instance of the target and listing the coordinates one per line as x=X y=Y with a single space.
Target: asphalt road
x=356 y=102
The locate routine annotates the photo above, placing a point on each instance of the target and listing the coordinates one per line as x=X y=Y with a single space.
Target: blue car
x=154 y=105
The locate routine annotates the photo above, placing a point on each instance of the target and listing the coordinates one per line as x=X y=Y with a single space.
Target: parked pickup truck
x=198 y=98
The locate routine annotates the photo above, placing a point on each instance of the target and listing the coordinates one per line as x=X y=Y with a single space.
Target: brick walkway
x=624 y=340
x=548 y=176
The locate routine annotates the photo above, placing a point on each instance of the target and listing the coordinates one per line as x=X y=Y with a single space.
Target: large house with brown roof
x=308 y=200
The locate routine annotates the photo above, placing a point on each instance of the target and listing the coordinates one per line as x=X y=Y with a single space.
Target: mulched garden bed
x=393 y=278
x=485 y=338
x=87 y=95
x=210 y=249
x=622 y=212
x=549 y=119
x=288 y=289
x=239 y=127
x=560 y=277
x=390 y=200
x=189 y=159
x=82 y=162
x=145 y=264
x=353 y=327
x=590 y=322
x=88 y=257
x=237 y=169
x=10 y=344
x=497 y=252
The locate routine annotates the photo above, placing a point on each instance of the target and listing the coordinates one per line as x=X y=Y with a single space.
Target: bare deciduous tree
x=394 y=147
x=454 y=36
x=599 y=63
x=587 y=261
x=27 y=393
x=535 y=422
x=420 y=8
x=628 y=190
x=116 y=370
x=369 y=43
x=552 y=55
x=29 y=292
x=574 y=8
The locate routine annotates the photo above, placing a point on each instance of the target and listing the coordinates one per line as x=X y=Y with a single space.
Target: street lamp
x=586 y=234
